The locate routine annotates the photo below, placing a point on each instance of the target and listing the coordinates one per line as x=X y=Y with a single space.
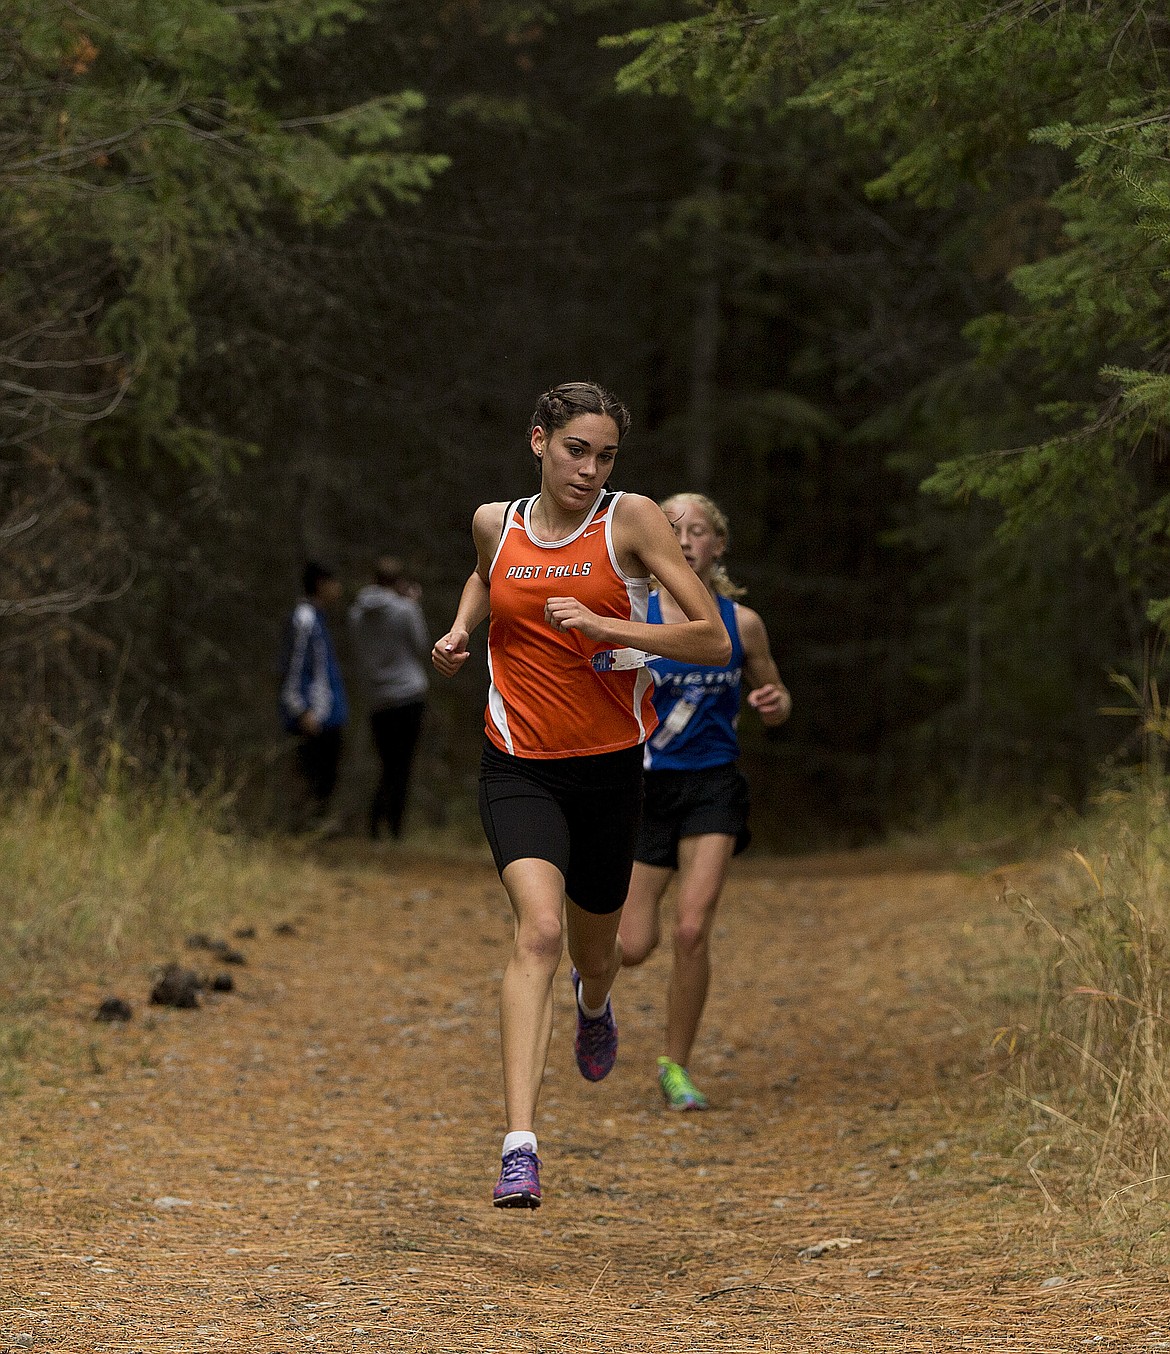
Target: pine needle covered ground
x=305 y=1163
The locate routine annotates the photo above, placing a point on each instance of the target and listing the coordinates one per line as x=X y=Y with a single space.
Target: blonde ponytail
x=724 y=584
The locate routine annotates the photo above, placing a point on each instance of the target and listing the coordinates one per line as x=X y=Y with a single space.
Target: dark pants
x=395 y=733
x=318 y=755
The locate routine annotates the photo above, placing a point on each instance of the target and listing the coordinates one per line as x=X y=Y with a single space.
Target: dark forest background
x=284 y=281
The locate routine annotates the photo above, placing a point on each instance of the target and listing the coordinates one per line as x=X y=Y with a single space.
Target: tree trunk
x=705 y=329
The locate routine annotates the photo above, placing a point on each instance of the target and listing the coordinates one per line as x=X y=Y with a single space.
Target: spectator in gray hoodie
x=391 y=643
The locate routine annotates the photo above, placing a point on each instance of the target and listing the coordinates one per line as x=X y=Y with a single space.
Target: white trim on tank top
x=565 y=540
x=627 y=579
x=508 y=525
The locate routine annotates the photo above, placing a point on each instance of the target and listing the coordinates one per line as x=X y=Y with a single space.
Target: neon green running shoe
x=678 y=1090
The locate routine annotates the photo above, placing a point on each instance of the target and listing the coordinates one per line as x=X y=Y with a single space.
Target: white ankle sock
x=521 y=1138
x=587 y=1011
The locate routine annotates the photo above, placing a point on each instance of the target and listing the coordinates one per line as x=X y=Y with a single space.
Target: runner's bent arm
x=642 y=535
x=450 y=651
x=767 y=694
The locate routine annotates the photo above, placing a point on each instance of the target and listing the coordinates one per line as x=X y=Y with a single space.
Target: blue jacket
x=310 y=675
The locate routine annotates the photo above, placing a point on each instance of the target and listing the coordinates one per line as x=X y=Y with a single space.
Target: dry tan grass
x=306 y=1164
x=1091 y=1050
x=95 y=880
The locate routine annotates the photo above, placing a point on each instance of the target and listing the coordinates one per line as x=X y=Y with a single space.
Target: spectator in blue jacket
x=312 y=694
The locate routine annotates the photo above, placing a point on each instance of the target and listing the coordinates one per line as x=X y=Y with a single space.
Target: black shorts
x=691 y=804
x=579 y=813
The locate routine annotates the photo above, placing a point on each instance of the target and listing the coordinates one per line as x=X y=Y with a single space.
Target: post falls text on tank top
x=545 y=699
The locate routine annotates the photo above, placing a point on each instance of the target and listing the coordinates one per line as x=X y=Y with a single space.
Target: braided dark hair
x=563 y=403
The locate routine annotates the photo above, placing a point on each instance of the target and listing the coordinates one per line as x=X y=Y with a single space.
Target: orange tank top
x=545 y=698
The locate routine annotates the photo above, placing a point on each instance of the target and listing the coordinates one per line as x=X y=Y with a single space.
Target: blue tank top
x=698 y=707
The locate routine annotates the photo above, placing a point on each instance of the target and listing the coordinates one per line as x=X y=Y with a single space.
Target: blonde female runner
x=695 y=816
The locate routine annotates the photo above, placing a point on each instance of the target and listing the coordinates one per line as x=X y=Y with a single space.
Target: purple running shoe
x=597 y=1040
x=519 y=1182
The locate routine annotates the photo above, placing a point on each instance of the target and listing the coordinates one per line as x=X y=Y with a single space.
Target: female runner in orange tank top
x=564 y=577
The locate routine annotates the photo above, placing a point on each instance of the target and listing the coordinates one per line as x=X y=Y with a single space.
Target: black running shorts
x=691 y=804
x=579 y=813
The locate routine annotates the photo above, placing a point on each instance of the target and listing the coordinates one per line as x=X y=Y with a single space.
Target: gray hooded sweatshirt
x=391 y=642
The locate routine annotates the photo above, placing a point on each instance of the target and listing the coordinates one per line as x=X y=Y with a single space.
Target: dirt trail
x=306 y=1164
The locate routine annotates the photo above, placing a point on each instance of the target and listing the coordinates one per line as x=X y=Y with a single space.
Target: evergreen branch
x=55 y=400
